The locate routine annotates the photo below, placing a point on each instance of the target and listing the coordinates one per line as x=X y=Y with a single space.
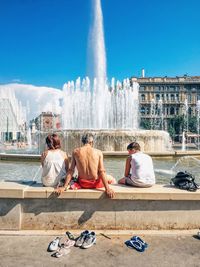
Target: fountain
x=185 y=119
x=198 y=123
x=107 y=110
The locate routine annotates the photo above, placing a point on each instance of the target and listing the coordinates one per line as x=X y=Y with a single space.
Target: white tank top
x=53 y=168
x=142 y=168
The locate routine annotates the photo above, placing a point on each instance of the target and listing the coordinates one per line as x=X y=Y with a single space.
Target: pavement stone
x=163 y=251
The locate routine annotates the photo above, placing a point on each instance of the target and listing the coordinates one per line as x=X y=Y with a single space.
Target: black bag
x=185 y=180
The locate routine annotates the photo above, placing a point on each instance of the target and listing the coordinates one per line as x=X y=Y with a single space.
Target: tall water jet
x=96 y=45
x=93 y=102
x=107 y=110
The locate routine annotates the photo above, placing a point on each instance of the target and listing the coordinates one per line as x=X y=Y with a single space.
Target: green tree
x=145 y=124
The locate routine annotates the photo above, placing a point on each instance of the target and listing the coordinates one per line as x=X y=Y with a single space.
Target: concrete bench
x=37 y=207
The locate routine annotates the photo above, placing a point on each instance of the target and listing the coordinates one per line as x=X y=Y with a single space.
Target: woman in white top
x=54 y=162
x=139 y=170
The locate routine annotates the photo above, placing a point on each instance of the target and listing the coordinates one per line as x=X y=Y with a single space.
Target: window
x=157 y=97
x=142 y=110
x=171 y=111
x=172 y=97
x=143 y=98
x=189 y=97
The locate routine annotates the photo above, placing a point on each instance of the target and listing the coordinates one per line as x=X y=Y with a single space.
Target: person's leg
x=126 y=180
x=122 y=180
x=136 y=183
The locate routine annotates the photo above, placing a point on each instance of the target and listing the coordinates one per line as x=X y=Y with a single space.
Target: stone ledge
x=157 y=192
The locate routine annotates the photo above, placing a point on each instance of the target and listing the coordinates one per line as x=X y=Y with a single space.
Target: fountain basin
x=113 y=140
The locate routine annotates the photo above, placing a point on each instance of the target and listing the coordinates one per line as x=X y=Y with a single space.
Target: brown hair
x=53 y=141
x=133 y=145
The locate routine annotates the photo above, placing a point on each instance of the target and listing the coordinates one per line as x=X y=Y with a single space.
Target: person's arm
x=127 y=167
x=43 y=156
x=102 y=175
x=66 y=163
x=68 y=178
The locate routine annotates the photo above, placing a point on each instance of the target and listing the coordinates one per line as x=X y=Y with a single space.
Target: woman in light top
x=139 y=170
x=54 y=162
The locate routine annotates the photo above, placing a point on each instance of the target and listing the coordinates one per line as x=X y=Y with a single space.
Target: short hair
x=133 y=145
x=53 y=141
x=87 y=138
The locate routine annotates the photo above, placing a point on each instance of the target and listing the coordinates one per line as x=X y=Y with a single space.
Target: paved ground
x=162 y=251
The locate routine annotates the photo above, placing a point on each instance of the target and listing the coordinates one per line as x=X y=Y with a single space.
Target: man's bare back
x=89 y=162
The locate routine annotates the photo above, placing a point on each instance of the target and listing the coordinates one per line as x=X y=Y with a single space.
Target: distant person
x=54 y=162
x=91 y=172
x=139 y=170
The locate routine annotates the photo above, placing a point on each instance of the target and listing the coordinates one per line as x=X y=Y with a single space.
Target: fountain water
x=108 y=110
x=185 y=130
x=156 y=111
x=118 y=105
x=198 y=123
x=29 y=138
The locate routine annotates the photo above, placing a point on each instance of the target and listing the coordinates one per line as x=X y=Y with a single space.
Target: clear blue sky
x=44 y=42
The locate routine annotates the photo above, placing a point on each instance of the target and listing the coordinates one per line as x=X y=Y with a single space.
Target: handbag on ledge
x=185 y=180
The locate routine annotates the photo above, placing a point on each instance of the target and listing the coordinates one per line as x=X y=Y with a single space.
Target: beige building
x=47 y=121
x=176 y=95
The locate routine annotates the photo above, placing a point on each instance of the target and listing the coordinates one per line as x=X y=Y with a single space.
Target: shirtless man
x=91 y=172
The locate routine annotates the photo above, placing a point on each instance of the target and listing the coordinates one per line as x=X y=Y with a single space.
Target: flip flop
x=137 y=238
x=61 y=252
x=70 y=235
x=68 y=243
x=135 y=244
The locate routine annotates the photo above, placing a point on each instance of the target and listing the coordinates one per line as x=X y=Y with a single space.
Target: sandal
x=61 y=252
x=137 y=238
x=135 y=244
x=70 y=235
x=68 y=243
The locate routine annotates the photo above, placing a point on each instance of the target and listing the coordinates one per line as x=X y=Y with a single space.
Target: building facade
x=162 y=98
x=46 y=121
x=12 y=117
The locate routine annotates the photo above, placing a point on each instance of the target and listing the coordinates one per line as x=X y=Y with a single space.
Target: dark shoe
x=81 y=238
x=89 y=241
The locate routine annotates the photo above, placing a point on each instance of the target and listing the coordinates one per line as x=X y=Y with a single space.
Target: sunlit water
x=164 y=169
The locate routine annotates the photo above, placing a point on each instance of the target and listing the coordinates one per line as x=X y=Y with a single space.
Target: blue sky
x=45 y=42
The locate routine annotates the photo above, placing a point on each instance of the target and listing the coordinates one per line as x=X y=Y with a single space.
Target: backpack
x=185 y=180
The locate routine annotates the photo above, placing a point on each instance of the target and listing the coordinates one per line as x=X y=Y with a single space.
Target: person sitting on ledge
x=139 y=170
x=55 y=163
x=91 y=172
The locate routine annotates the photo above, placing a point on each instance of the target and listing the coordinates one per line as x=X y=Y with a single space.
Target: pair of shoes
x=60 y=242
x=137 y=238
x=137 y=243
x=86 y=239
